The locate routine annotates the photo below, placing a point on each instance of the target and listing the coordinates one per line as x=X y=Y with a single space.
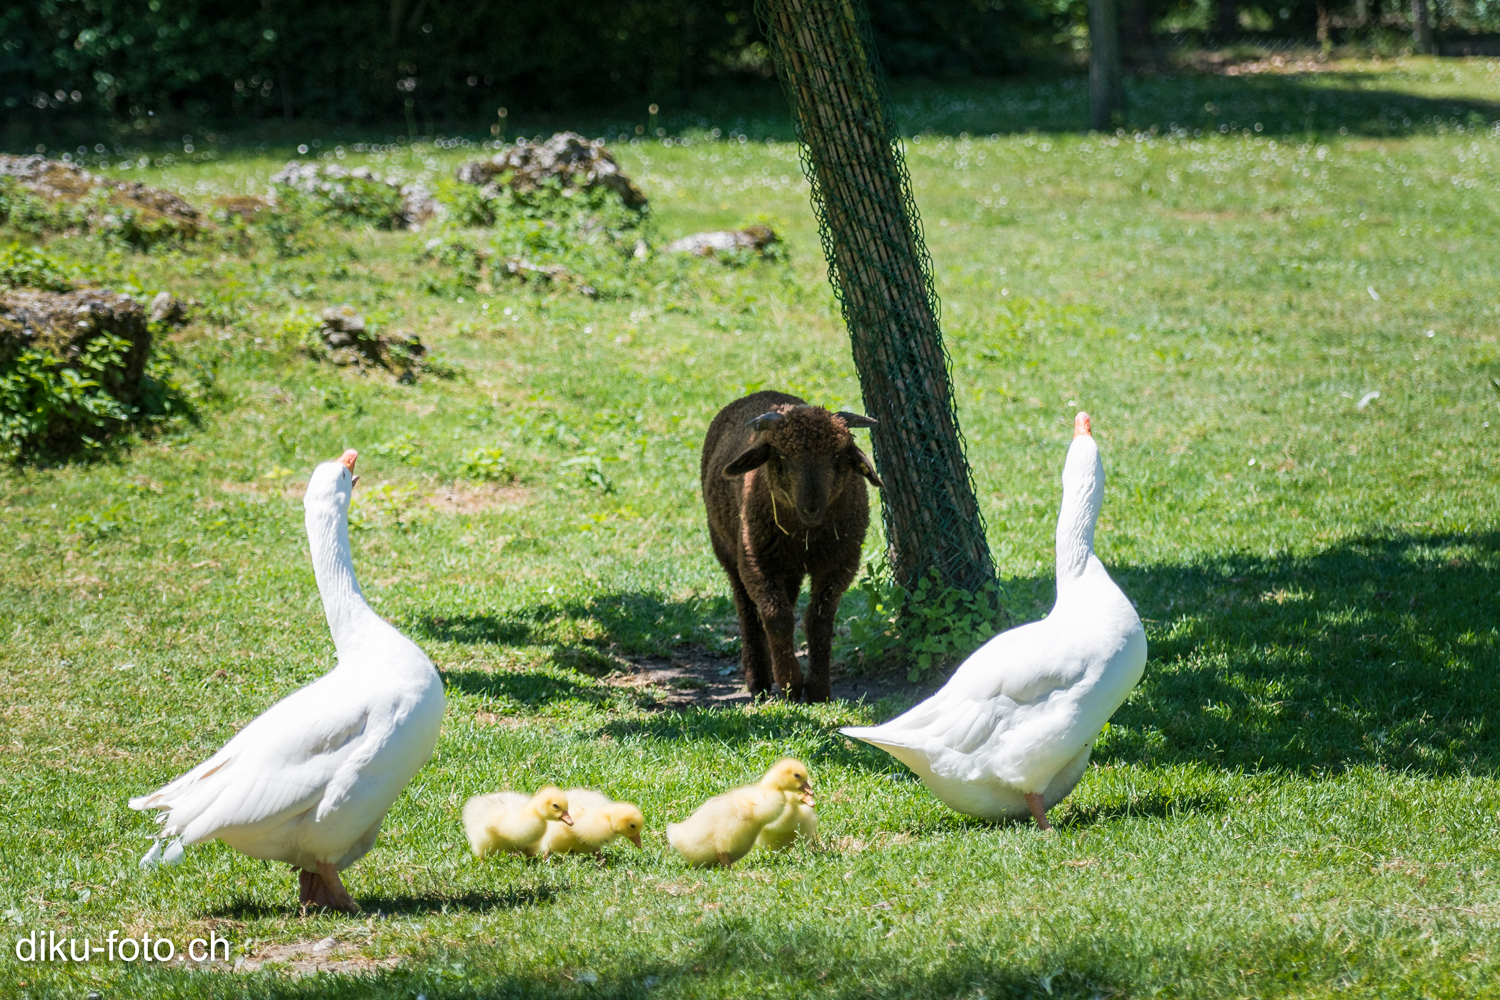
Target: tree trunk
x=1421 y=26
x=825 y=57
x=1324 y=33
x=1106 y=75
x=1229 y=19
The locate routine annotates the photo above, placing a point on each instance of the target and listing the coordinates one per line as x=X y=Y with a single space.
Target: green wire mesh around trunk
x=882 y=275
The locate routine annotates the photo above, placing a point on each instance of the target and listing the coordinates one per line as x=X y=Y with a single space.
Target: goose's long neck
x=1075 y=537
x=343 y=602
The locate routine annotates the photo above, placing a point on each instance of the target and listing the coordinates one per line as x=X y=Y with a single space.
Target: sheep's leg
x=821 y=611
x=777 y=602
x=755 y=657
x=776 y=620
x=780 y=621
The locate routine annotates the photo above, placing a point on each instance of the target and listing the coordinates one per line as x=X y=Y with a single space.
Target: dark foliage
x=380 y=61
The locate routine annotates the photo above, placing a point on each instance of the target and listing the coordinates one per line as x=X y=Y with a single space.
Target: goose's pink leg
x=324 y=888
x=307 y=887
x=339 y=896
x=1038 y=811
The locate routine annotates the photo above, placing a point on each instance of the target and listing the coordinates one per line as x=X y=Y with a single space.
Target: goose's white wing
x=281 y=764
x=1016 y=668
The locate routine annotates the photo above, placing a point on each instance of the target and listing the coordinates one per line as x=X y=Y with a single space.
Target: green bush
x=585 y=239
x=56 y=405
x=52 y=407
x=43 y=402
x=931 y=626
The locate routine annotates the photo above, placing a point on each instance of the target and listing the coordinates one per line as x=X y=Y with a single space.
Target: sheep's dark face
x=807 y=460
x=809 y=482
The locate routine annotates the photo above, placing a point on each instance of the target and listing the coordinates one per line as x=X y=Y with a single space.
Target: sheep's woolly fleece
x=807 y=430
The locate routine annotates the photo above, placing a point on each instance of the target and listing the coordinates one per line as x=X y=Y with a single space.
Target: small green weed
x=488 y=465
x=24 y=267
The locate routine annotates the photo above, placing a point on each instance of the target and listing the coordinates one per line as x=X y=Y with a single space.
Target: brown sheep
x=781 y=481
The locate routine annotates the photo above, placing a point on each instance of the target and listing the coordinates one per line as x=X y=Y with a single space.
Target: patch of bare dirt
x=468 y=498
x=305 y=958
x=452 y=498
x=696 y=678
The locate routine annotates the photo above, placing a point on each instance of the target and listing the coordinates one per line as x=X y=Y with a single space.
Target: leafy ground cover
x=1299 y=800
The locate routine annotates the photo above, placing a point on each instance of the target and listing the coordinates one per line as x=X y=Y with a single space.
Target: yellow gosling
x=724 y=829
x=510 y=822
x=597 y=822
x=798 y=820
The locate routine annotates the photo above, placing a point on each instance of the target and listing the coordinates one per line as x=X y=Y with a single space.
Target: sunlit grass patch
x=1298 y=800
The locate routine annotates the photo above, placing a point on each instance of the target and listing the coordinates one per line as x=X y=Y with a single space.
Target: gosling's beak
x=566 y=819
x=807 y=796
x=635 y=838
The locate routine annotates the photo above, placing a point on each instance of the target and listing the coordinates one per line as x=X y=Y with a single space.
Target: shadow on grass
x=1282 y=103
x=1378 y=651
x=633 y=622
x=744 y=956
x=470 y=902
x=1148 y=805
x=529 y=688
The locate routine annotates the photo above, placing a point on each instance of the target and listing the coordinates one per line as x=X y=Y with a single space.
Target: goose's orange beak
x=1081 y=425
x=347 y=459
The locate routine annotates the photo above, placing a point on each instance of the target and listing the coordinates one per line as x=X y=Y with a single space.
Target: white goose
x=309 y=781
x=1013 y=728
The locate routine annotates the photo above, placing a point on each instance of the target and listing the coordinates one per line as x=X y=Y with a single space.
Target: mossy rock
x=72 y=198
x=64 y=324
x=72 y=368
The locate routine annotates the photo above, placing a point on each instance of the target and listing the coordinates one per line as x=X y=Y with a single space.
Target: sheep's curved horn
x=852 y=420
x=765 y=420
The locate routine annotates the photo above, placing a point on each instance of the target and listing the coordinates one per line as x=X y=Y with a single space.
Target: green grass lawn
x=1300 y=799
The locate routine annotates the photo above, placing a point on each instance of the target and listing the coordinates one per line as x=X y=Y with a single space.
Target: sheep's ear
x=864 y=466
x=750 y=458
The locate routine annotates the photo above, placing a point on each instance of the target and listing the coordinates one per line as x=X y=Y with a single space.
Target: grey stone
x=566 y=159
x=753 y=238
x=168 y=308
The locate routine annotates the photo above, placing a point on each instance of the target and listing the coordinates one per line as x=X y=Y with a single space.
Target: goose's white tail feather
x=156 y=856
